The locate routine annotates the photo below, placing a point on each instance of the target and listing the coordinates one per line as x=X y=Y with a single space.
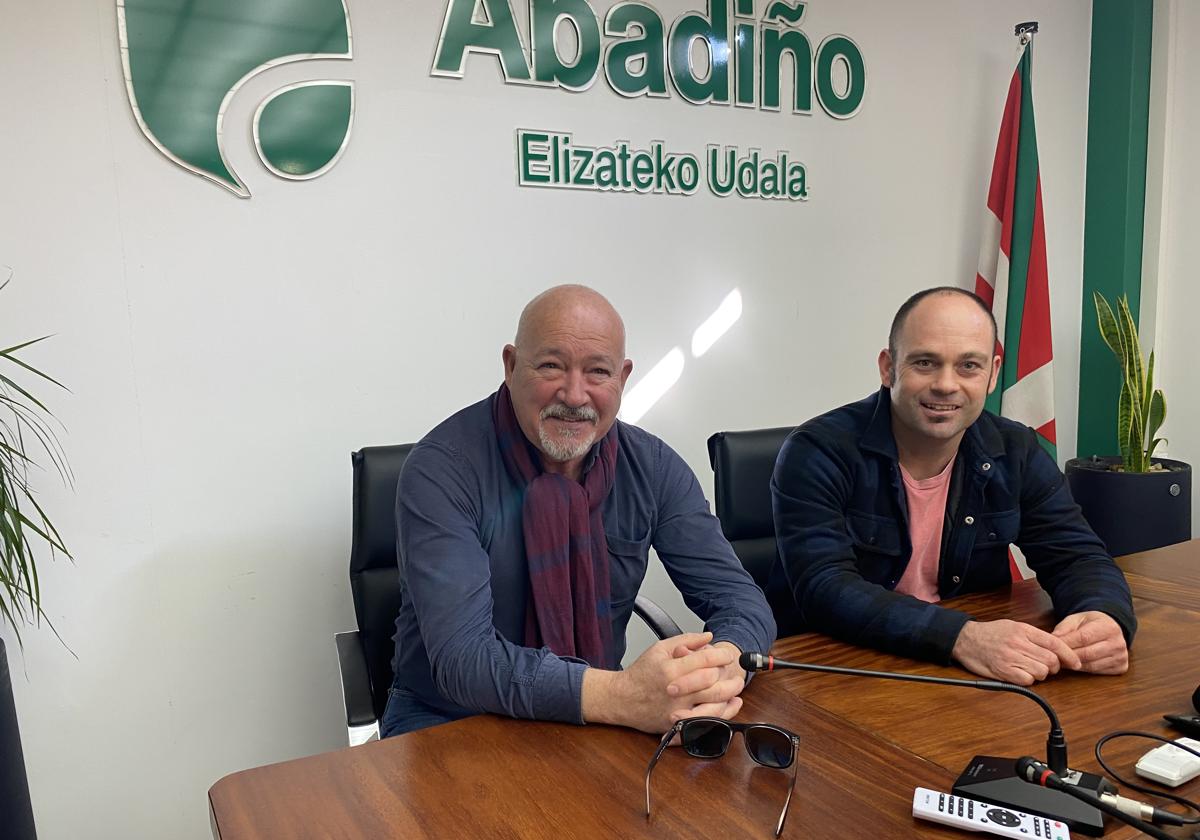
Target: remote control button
x=1004 y=818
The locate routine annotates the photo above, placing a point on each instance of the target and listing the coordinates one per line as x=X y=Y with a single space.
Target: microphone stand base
x=992 y=779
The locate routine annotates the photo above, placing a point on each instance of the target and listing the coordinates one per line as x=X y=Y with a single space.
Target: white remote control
x=1170 y=765
x=973 y=815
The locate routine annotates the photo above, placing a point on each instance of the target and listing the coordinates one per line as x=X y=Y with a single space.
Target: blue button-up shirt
x=841 y=521
x=464 y=579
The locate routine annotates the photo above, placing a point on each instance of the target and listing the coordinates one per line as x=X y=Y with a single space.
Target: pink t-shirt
x=926 y=514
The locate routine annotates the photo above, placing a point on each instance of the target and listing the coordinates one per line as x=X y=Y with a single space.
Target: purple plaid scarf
x=565 y=544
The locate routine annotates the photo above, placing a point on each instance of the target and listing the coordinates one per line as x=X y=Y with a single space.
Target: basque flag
x=1012 y=267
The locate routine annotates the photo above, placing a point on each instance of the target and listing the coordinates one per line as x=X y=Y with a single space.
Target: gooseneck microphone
x=1130 y=811
x=1056 y=742
x=991 y=778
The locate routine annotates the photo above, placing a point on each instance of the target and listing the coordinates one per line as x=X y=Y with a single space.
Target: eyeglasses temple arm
x=662 y=745
x=791 y=787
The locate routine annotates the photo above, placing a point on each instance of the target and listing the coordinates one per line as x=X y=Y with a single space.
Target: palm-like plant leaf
x=10 y=354
x=25 y=433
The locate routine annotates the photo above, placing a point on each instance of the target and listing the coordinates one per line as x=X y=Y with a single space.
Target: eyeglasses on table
x=709 y=737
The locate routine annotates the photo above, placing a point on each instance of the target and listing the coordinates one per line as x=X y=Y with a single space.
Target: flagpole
x=1025 y=31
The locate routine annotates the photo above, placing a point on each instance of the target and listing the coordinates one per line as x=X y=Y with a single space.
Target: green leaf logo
x=185 y=59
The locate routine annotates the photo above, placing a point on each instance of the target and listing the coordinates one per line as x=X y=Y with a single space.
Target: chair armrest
x=356 y=685
x=656 y=618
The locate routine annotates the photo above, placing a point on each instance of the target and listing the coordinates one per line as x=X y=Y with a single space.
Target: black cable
x=1127 y=733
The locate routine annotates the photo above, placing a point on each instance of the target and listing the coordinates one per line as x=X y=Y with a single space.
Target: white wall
x=225 y=356
x=1170 y=295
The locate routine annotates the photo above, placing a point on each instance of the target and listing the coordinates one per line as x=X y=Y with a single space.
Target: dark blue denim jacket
x=841 y=521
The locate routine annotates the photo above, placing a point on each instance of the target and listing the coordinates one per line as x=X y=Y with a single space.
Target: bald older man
x=525 y=523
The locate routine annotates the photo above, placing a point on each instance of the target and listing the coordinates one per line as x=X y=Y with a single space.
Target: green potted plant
x=25 y=437
x=1134 y=501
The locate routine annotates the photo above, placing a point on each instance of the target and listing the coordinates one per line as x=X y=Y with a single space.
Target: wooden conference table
x=865 y=744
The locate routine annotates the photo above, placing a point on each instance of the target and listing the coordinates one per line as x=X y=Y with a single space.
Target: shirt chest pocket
x=876 y=545
x=997 y=530
x=873 y=534
x=626 y=567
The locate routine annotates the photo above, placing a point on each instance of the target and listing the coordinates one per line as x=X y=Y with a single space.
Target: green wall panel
x=1118 y=113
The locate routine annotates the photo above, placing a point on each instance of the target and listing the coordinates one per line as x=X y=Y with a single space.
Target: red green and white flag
x=1012 y=267
x=1012 y=276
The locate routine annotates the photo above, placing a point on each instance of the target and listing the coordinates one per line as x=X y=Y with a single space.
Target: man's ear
x=626 y=369
x=996 y=361
x=887 y=369
x=509 y=356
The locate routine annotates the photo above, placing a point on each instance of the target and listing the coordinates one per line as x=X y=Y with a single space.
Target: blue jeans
x=405 y=712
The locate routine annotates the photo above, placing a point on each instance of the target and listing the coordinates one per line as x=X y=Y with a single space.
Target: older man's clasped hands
x=683 y=676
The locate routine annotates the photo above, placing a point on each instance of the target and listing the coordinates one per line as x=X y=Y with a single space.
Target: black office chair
x=16 y=811
x=742 y=464
x=365 y=654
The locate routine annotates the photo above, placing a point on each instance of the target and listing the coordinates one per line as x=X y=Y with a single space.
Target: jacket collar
x=982 y=438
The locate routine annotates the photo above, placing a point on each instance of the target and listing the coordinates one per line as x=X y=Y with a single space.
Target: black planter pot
x=16 y=812
x=1133 y=511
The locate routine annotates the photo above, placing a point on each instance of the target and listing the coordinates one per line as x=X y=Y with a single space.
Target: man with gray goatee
x=525 y=523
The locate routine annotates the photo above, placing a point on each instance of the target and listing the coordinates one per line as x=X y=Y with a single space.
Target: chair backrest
x=374 y=572
x=742 y=464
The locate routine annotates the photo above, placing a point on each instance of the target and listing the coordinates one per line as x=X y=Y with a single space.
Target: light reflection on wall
x=650 y=388
x=718 y=324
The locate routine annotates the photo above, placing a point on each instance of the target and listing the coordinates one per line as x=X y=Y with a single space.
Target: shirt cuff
x=942 y=635
x=742 y=640
x=558 y=690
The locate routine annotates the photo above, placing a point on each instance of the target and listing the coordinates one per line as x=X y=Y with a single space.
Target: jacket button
x=991 y=535
x=956 y=579
x=985 y=466
x=871 y=540
x=970 y=520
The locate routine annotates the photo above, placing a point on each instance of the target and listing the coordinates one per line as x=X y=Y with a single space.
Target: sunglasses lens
x=769 y=747
x=705 y=738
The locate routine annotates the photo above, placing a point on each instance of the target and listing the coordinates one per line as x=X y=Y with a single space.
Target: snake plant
x=25 y=435
x=1141 y=409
